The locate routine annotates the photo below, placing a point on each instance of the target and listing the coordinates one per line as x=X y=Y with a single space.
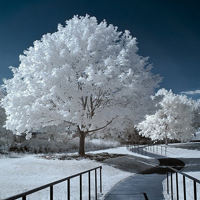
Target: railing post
x=167 y=181
x=95 y=184
x=171 y=185
x=184 y=190
x=80 y=186
x=68 y=189
x=177 y=192
x=89 y=185
x=101 y=180
x=51 y=192
x=50 y=186
x=195 y=190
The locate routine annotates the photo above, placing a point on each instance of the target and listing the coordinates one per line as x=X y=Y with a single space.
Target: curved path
x=146 y=185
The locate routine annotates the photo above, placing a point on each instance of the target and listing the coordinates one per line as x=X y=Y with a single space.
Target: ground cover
x=20 y=173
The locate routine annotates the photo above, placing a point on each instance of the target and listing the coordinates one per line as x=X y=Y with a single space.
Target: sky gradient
x=168 y=31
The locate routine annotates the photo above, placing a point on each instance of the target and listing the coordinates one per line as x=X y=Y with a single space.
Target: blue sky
x=168 y=31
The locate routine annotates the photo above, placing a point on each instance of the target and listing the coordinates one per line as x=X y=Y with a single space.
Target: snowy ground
x=19 y=174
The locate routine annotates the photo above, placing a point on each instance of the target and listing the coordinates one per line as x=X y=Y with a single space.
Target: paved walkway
x=133 y=188
x=146 y=186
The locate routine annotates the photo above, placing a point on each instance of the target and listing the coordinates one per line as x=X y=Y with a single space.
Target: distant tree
x=6 y=136
x=86 y=74
x=196 y=110
x=173 y=120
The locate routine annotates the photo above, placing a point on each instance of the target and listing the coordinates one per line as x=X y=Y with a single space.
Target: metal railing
x=136 y=148
x=173 y=185
x=157 y=148
x=142 y=149
x=51 y=191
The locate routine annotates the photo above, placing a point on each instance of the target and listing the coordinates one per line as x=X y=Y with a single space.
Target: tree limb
x=101 y=127
x=69 y=122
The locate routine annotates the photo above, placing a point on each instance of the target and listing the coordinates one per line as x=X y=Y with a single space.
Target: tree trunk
x=82 y=135
x=82 y=143
x=166 y=141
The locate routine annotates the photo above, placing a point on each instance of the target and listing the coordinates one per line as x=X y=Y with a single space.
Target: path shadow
x=161 y=169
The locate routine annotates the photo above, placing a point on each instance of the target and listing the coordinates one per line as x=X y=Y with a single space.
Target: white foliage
x=85 y=73
x=6 y=136
x=174 y=119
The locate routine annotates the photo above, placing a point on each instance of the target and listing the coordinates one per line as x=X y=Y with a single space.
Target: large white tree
x=87 y=74
x=173 y=120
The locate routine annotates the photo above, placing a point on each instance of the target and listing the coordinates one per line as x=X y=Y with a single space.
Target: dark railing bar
x=167 y=181
x=195 y=190
x=171 y=185
x=68 y=189
x=186 y=175
x=177 y=194
x=89 y=185
x=95 y=184
x=101 y=181
x=24 y=194
x=81 y=187
x=51 y=192
x=184 y=188
x=145 y=196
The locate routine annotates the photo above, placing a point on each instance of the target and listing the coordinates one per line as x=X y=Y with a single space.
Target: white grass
x=20 y=174
x=27 y=172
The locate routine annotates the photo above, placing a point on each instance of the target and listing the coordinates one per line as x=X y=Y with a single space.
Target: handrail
x=155 y=149
x=24 y=194
x=186 y=175
x=136 y=148
x=170 y=191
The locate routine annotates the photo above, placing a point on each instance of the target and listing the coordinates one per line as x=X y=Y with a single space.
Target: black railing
x=157 y=148
x=136 y=148
x=173 y=186
x=51 y=191
x=142 y=149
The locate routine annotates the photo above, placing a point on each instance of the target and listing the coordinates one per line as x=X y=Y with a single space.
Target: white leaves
x=86 y=73
x=173 y=120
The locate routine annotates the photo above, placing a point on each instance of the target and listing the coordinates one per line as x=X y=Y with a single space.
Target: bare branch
x=69 y=122
x=84 y=102
x=102 y=126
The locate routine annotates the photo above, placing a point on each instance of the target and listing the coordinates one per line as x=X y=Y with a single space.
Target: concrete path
x=145 y=186
x=135 y=187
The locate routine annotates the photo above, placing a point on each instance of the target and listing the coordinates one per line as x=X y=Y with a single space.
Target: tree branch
x=69 y=122
x=84 y=103
x=102 y=126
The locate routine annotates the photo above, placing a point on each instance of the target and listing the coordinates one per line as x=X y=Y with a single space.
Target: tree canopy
x=87 y=74
x=6 y=136
x=174 y=118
